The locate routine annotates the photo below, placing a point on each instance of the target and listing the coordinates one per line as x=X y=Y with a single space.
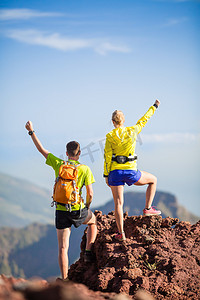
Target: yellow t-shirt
x=85 y=176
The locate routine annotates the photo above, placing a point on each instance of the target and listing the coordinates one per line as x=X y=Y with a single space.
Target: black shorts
x=65 y=219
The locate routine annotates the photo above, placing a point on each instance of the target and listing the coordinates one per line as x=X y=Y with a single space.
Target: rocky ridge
x=160 y=259
x=38 y=289
x=161 y=256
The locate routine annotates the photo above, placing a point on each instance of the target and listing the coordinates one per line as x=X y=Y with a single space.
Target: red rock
x=132 y=273
x=161 y=256
x=125 y=286
x=159 y=260
x=40 y=290
x=104 y=277
x=143 y=295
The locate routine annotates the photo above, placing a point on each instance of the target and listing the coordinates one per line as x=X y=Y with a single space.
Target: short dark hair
x=73 y=148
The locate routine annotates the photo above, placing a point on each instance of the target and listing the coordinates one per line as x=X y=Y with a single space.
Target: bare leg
x=92 y=229
x=118 y=196
x=63 y=236
x=151 y=180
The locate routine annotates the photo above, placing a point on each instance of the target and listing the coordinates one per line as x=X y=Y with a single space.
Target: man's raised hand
x=29 y=126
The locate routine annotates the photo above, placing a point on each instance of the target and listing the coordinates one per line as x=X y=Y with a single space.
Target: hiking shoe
x=151 y=212
x=88 y=256
x=120 y=237
x=62 y=280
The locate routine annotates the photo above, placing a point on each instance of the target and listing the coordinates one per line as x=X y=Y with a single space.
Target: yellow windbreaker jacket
x=122 y=141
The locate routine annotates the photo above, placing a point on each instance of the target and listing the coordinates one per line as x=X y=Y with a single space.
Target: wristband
x=105 y=175
x=31 y=132
x=156 y=106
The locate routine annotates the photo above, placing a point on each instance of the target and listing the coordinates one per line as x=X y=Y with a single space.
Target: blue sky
x=67 y=65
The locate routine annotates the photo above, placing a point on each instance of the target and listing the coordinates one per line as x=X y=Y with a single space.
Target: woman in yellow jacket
x=120 y=165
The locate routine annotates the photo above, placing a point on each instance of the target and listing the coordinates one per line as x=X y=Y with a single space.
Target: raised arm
x=36 y=141
x=142 y=121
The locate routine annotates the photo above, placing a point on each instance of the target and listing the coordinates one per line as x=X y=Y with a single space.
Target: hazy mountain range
x=22 y=203
x=32 y=250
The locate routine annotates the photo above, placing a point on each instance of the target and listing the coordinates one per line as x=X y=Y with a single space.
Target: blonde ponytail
x=118 y=117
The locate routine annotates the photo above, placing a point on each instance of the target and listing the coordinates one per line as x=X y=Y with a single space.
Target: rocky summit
x=161 y=256
x=160 y=259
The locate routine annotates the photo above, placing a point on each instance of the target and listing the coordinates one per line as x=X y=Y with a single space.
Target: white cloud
x=24 y=14
x=175 y=21
x=59 y=42
x=174 y=137
x=54 y=40
x=106 y=47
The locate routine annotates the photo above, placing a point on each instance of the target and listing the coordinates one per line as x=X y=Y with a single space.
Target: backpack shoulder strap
x=72 y=164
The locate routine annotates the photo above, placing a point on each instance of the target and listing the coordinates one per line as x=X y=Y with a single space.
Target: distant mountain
x=22 y=202
x=134 y=203
x=32 y=251
x=29 y=251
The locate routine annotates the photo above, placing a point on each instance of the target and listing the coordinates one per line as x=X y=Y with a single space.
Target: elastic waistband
x=69 y=206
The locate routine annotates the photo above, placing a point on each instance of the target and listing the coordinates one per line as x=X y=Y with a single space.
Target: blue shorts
x=120 y=177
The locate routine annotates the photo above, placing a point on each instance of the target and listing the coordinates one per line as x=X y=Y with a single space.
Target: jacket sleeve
x=142 y=122
x=107 y=157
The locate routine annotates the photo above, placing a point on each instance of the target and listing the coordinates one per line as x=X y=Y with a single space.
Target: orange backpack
x=65 y=187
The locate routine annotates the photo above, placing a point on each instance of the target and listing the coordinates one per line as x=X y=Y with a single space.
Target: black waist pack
x=121 y=159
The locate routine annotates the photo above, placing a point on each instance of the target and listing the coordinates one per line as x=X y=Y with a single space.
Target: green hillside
x=22 y=203
x=29 y=251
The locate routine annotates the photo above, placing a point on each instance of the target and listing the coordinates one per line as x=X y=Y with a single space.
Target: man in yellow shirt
x=79 y=213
